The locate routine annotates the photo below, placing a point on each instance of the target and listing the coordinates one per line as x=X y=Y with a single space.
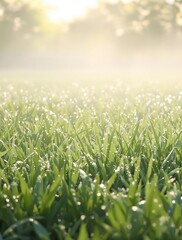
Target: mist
x=103 y=42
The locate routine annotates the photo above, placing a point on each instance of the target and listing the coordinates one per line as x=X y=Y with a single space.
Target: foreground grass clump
x=90 y=164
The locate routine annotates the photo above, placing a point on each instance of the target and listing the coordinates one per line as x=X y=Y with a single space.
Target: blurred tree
x=20 y=21
x=154 y=17
x=106 y=29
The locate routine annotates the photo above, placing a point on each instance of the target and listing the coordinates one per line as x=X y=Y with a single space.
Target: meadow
x=96 y=161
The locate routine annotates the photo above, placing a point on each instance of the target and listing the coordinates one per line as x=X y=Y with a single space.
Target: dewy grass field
x=90 y=162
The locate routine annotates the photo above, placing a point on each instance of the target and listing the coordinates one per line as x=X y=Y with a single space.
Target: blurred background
x=92 y=36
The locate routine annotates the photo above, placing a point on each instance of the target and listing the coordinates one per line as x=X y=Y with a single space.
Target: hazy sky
x=143 y=35
x=66 y=10
x=61 y=10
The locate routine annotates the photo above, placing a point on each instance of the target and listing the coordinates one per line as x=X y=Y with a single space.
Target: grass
x=93 y=162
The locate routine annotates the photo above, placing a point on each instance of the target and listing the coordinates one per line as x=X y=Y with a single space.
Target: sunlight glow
x=67 y=10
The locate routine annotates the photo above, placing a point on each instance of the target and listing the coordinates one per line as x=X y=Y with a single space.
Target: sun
x=68 y=10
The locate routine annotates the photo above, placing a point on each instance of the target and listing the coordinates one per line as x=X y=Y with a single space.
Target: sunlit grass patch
x=90 y=162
